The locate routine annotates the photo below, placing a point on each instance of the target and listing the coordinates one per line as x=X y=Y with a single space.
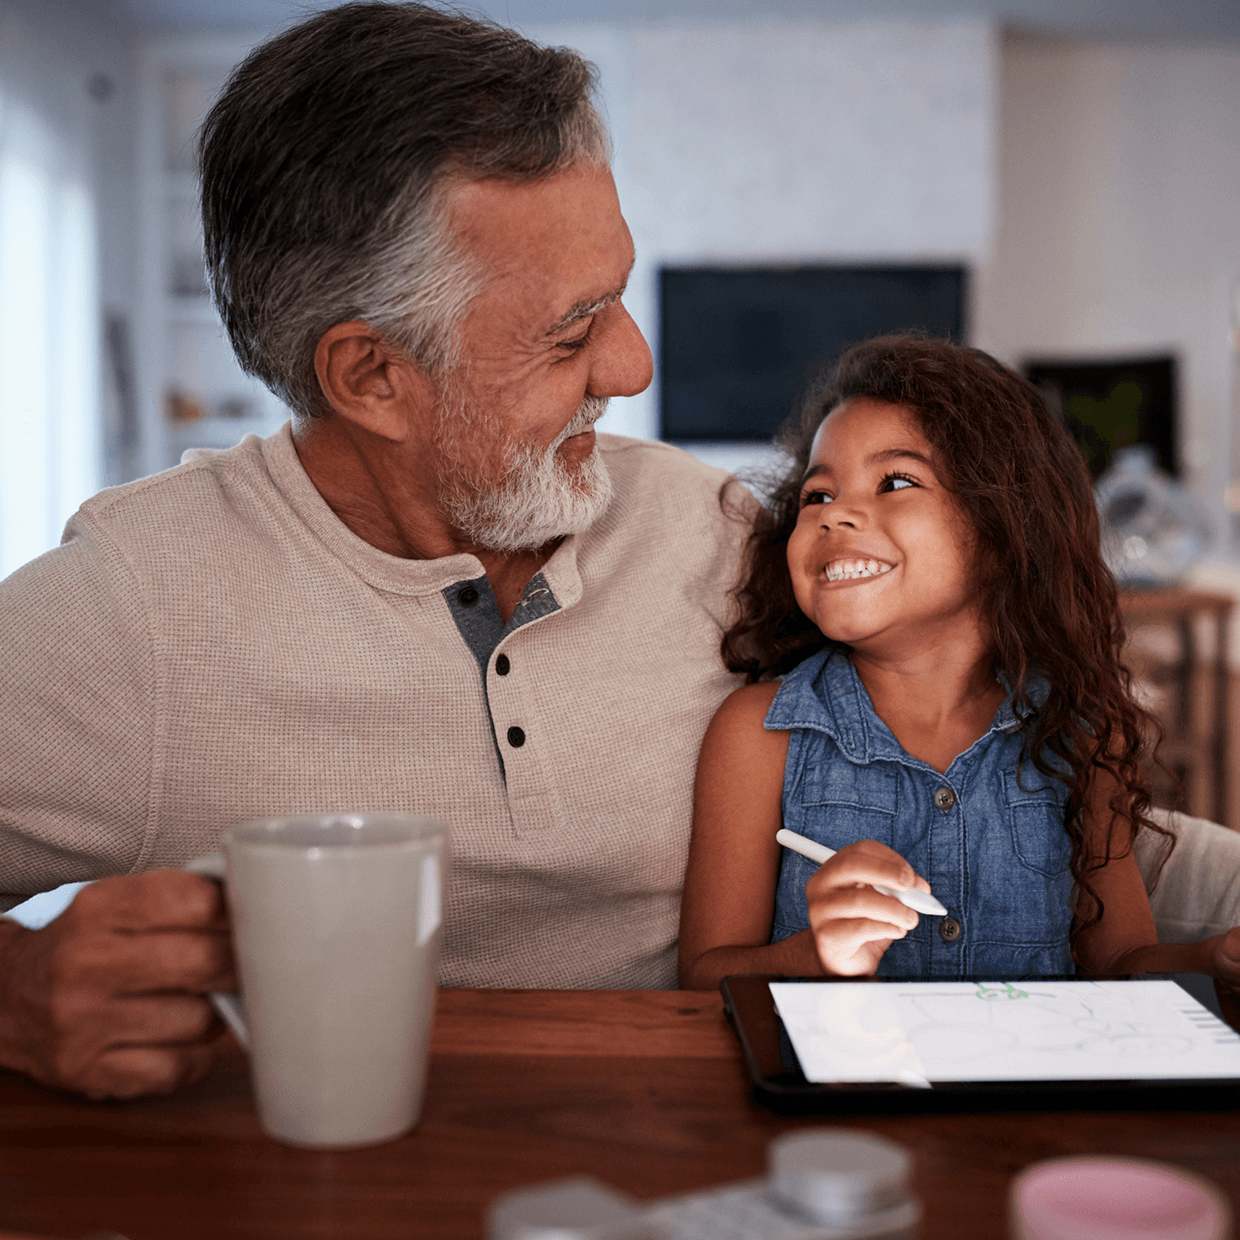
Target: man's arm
x=1125 y=940
x=78 y=718
x=109 y=1000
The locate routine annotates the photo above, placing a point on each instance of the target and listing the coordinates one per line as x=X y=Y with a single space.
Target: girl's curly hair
x=1049 y=600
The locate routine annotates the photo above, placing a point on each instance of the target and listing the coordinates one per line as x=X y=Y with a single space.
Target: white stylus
x=918 y=901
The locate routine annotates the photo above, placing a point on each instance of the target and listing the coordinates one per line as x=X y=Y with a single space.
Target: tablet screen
x=918 y=1033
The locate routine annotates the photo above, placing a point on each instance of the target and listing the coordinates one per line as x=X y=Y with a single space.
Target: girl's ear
x=371 y=383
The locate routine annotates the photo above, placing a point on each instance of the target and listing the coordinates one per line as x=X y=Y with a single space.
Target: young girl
x=932 y=645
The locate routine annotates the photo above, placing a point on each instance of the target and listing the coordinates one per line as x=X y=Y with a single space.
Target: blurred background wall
x=1078 y=158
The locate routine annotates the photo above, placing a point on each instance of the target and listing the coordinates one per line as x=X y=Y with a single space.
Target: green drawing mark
x=1004 y=991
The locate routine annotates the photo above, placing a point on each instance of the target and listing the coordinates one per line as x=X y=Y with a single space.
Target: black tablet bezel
x=779 y=1084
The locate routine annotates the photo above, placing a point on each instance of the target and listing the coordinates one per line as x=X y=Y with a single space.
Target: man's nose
x=622 y=363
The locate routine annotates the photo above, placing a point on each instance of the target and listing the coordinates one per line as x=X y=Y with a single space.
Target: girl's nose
x=842 y=513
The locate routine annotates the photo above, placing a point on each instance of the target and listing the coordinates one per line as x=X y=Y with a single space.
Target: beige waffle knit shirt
x=212 y=644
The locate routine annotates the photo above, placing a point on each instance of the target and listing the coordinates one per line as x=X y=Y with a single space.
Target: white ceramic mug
x=336 y=931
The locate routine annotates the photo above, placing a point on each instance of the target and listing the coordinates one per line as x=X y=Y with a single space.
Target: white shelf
x=179 y=342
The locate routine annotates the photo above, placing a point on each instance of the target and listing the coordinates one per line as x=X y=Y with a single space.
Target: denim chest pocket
x=1035 y=819
x=843 y=803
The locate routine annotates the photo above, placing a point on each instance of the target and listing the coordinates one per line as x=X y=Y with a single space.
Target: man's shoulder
x=661 y=472
x=184 y=509
x=201 y=473
x=654 y=454
x=672 y=515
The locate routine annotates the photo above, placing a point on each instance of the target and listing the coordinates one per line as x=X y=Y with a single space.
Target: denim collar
x=825 y=694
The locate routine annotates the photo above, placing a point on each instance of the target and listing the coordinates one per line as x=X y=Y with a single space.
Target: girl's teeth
x=847 y=570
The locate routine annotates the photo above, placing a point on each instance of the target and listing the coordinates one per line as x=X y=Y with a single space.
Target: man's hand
x=109 y=999
x=853 y=925
x=1225 y=958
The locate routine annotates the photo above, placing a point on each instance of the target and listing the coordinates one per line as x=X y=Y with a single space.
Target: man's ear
x=367 y=381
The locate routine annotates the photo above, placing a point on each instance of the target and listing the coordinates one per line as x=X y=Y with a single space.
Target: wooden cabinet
x=1177 y=650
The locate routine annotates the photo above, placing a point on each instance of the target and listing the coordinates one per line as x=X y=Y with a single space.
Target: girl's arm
x=729 y=895
x=1125 y=940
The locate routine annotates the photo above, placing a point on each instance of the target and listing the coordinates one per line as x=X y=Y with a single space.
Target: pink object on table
x=1115 y=1199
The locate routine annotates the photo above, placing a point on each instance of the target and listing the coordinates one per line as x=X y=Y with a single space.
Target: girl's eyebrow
x=894 y=454
x=877 y=458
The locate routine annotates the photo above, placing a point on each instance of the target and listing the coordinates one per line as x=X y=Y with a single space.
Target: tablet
x=893 y=1044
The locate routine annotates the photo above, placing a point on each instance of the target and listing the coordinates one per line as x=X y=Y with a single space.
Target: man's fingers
x=168 y=1018
x=156 y=900
x=134 y=1071
x=127 y=1046
x=131 y=963
x=109 y=998
x=143 y=963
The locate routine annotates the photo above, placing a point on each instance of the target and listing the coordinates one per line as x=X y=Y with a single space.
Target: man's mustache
x=588 y=412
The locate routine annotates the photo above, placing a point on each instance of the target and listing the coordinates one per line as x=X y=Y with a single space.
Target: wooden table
x=642 y=1089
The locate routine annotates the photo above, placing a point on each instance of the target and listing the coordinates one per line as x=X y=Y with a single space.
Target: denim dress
x=988 y=838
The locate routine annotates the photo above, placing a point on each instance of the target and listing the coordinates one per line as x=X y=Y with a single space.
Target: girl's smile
x=854 y=570
x=881 y=554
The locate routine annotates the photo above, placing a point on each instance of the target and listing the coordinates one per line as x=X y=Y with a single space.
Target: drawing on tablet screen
x=1049 y=1030
x=963 y=1026
x=1000 y=990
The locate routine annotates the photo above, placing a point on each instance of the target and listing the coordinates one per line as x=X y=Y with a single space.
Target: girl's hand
x=853 y=925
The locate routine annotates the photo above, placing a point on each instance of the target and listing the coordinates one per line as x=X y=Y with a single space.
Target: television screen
x=739 y=347
x=1108 y=403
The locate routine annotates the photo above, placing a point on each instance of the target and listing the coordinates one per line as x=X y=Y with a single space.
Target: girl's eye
x=815 y=497
x=895 y=482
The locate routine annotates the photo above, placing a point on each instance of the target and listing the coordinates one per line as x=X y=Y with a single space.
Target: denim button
x=945 y=798
x=949 y=930
x=516 y=737
x=502 y=666
x=468 y=596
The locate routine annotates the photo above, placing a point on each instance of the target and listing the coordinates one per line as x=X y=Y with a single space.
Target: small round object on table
x=847 y=1178
x=1115 y=1199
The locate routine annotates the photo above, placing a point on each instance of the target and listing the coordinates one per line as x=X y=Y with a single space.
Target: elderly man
x=437 y=592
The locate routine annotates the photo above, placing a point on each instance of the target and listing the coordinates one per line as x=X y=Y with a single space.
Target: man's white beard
x=537 y=499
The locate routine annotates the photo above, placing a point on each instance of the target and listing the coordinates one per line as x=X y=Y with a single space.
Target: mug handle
x=229 y=1004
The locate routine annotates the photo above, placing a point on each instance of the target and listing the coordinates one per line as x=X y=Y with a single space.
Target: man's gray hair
x=325 y=167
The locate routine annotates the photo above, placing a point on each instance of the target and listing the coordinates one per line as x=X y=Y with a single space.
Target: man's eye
x=896 y=482
x=577 y=342
x=815 y=497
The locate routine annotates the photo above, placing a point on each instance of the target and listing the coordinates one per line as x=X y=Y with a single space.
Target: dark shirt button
x=516 y=737
x=949 y=930
x=945 y=798
x=502 y=666
x=468 y=596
